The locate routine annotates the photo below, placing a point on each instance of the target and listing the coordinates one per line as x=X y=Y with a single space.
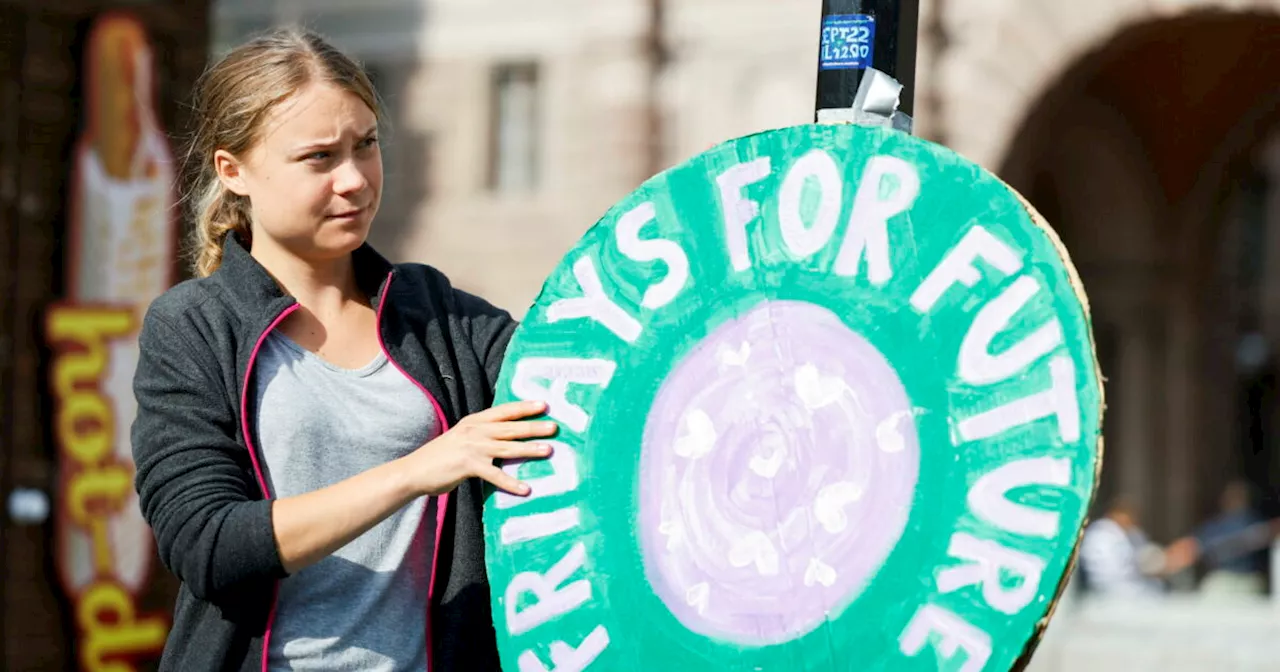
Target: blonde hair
x=231 y=101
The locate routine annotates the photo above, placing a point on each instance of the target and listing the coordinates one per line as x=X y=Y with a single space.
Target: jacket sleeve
x=212 y=528
x=491 y=331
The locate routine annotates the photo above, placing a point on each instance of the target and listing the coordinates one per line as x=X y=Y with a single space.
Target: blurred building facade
x=1140 y=129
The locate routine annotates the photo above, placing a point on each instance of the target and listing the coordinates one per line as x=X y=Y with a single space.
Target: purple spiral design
x=778 y=466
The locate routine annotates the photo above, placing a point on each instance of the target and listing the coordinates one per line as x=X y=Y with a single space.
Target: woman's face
x=314 y=178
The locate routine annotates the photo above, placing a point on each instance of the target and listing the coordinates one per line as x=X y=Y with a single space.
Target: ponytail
x=217 y=214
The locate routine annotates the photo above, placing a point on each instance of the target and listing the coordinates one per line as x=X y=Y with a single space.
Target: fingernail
x=547 y=449
x=524 y=489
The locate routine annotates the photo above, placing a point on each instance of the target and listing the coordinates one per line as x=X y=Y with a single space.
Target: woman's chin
x=331 y=247
x=343 y=238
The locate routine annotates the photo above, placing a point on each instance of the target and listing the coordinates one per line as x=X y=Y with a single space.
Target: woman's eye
x=316 y=156
x=369 y=142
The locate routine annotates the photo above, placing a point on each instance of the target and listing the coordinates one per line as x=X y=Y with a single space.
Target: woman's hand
x=469 y=449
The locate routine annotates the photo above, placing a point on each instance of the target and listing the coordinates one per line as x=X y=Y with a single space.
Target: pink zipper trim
x=442 y=501
x=257 y=467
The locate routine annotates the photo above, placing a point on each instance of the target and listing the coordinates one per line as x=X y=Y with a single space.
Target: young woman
x=313 y=422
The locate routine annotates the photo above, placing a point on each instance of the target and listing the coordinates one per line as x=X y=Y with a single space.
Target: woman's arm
x=491 y=330
x=310 y=527
x=211 y=526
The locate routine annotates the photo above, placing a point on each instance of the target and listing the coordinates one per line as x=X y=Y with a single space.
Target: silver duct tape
x=875 y=104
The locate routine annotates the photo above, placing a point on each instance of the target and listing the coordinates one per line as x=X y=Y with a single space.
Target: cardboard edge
x=1037 y=636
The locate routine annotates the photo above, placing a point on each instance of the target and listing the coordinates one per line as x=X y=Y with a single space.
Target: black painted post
x=861 y=34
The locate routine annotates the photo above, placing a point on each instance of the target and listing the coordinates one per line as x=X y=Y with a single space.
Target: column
x=1181 y=414
x=1131 y=385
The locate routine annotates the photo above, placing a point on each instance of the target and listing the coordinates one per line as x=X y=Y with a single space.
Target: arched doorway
x=1149 y=157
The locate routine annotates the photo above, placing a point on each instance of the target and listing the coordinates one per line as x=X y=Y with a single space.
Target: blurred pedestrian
x=1233 y=546
x=1117 y=558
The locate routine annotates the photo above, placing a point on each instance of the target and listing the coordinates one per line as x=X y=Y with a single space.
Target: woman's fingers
x=503 y=481
x=515 y=410
x=514 y=450
x=527 y=429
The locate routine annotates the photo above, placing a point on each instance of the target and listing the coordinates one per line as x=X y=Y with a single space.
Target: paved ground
x=1180 y=634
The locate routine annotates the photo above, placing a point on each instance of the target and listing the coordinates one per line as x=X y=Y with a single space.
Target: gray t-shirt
x=365 y=606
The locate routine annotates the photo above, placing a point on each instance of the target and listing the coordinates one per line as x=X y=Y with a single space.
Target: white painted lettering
x=594 y=304
x=659 y=249
x=956 y=633
x=566 y=658
x=1059 y=401
x=889 y=187
x=989 y=497
x=958 y=267
x=558 y=373
x=804 y=239
x=977 y=365
x=739 y=210
x=988 y=562
x=520 y=529
x=553 y=601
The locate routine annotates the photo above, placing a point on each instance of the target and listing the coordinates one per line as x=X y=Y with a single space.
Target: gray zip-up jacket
x=204 y=487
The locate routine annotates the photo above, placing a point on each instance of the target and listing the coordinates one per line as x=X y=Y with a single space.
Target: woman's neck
x=323 y=288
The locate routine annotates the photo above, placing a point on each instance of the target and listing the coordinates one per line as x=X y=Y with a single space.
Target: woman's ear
x=230 y=172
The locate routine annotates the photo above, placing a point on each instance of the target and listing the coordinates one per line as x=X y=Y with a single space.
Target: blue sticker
x=848 y=42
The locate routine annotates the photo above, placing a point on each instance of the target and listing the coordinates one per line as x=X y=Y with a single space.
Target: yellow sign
x=122 y=245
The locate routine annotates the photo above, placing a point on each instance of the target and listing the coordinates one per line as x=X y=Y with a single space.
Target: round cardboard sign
x=828 y=400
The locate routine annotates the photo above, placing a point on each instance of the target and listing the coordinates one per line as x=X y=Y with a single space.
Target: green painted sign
x=828 y=400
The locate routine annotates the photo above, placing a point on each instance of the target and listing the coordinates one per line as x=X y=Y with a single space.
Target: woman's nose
x=348 y=178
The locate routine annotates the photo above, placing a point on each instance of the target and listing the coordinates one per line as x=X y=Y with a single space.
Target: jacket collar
x=254 y=292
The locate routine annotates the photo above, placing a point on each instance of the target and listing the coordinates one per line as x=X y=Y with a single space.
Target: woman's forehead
x=316 y=113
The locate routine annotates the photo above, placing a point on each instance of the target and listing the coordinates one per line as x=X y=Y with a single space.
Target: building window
x=514 y=135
